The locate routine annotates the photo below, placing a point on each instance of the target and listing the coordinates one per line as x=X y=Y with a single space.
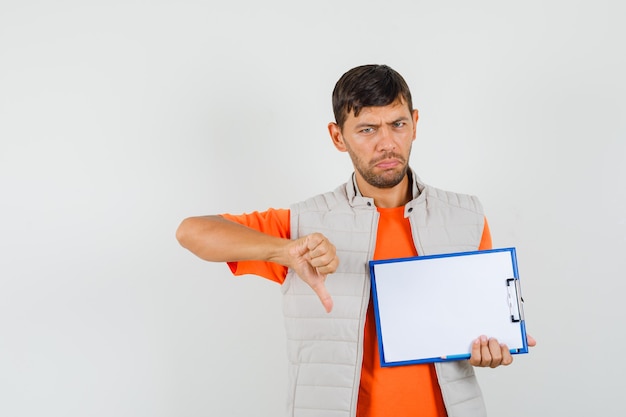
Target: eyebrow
x=366 y=124
x=362 y=125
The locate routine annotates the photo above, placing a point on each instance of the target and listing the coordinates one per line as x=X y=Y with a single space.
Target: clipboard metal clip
x=515 y=300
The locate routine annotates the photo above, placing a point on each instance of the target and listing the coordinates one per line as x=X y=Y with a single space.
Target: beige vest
x=325 y=350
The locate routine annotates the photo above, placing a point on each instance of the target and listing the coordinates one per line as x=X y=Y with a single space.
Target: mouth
x=388 y=163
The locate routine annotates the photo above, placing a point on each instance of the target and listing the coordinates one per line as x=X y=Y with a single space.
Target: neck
x=396 y=196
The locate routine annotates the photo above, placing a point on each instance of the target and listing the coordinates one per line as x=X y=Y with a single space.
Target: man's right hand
x=216 y=239
x=313 y=257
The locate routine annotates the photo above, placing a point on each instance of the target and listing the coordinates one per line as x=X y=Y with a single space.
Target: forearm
x=216 y=239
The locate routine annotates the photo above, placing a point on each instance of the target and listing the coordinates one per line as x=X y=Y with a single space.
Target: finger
x=314 y=241
x=507 y=358
x=323 y=257
x=480 y=355
x=328 y=268
x=485 y=354
x=495 y=350
x=531 y=340
x=475 y=354
x=321 y=260
x=318 y=246
x=324 y=296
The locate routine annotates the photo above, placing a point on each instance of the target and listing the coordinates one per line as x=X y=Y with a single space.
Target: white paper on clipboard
x=431 y=308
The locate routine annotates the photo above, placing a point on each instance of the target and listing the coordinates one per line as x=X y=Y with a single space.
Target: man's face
x=379 y=142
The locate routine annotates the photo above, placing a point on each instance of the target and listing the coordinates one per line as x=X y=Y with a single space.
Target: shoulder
x=322 y=202
x=455 y=199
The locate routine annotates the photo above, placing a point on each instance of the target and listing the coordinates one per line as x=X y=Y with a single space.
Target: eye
x=367 y=130
x=399 y=124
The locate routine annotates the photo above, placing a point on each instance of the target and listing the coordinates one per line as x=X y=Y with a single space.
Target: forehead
x=394 y=111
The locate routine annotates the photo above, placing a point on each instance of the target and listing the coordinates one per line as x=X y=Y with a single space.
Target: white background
x=120 y=118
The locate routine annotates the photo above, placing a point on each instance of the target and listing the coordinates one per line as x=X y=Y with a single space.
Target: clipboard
x=431 y=308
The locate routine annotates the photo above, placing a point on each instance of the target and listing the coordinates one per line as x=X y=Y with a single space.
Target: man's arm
x=216 y=239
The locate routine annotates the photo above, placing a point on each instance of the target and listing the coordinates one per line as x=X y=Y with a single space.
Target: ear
x=336 y=136
x=415 y=117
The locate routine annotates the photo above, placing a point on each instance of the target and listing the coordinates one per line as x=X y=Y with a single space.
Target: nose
x=385 y=140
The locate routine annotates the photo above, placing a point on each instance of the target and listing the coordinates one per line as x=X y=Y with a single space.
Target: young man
x=319 y=249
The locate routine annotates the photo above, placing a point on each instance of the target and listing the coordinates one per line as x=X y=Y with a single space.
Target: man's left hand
x=489 y=352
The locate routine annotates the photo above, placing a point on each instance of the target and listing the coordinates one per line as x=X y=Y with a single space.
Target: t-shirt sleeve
x=485 y=241
x=274 y=222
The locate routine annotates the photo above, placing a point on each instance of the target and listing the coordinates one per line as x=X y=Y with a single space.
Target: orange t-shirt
x=408 y=391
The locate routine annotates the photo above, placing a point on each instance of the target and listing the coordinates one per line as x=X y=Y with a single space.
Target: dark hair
x=368 y=86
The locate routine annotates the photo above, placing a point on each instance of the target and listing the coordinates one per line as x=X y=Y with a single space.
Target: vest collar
x=419 y=196
x=355 y=197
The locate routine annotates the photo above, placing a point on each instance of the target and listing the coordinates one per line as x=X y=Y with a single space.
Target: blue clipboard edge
x=384 y=363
